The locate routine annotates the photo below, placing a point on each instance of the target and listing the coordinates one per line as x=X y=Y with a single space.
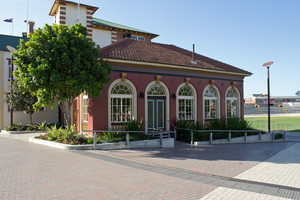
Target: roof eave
x=171 y=66
x=152 y=35
x=57 y=3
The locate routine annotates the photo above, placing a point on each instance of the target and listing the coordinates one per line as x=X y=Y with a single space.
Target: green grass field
x=277 y=123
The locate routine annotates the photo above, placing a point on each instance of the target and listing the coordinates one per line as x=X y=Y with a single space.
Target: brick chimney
x=30 y=27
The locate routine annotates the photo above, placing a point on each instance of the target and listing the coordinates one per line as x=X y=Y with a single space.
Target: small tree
x=58 y=64
x=22 y=101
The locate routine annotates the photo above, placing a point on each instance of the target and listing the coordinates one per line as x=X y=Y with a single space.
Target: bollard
x=95 y=140
x=272 y=135
x=229 y=137
x=284 y=136
x=245 y=137
x=127 y=139
x=192 y=137
x=210 y=138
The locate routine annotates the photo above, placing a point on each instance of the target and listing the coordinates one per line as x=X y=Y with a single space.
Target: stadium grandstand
x=257 y=104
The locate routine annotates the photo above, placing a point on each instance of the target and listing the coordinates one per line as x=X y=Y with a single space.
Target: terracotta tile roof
x=135 y=50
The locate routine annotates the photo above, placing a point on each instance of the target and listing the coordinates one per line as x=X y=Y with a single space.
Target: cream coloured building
x=50 y=116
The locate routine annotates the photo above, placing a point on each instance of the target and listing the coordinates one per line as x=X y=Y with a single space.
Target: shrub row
x=234 y=123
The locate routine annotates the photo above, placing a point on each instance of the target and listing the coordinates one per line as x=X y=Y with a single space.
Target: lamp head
x=268 y=64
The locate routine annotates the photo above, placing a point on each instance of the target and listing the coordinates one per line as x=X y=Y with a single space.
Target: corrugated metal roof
x=105 y=23
x=10 y=40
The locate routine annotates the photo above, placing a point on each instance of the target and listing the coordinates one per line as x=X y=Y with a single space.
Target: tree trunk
x=30 y=115
x=66 y=109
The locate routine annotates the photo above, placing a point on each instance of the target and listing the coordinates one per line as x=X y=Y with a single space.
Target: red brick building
x=160 y=83
x=153 y=82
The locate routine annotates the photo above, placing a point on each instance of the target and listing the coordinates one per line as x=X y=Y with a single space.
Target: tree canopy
x=21 y=101
x=58 y=64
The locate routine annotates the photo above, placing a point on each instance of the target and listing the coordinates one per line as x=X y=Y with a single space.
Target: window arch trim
x=193 y=97
x=238 y=98
x=217 y=98
x=133 y=96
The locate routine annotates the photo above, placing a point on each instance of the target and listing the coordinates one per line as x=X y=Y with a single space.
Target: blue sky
x=243 y=33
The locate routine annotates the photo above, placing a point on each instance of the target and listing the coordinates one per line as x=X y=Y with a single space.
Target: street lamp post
x=11 y=50
x=268 y=64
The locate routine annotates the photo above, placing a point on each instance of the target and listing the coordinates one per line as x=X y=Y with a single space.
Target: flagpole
x=78 y=10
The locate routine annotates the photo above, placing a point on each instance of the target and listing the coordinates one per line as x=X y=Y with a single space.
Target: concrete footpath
x=234 y=171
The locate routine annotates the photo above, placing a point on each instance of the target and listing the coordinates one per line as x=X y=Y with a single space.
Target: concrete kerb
x=167 y=143
x=18 y=132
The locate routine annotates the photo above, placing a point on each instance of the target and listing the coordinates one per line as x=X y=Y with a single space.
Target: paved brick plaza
x=237 y=171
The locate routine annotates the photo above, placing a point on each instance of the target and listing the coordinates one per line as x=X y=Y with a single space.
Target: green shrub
x=184 y=135
x=278 y=136
x=216 y=124
x=134 y=125
x=112 y=137
x=25 y=127
x=234 y=123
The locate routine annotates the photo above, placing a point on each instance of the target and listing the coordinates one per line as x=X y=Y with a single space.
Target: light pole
x=11 y=50
x=268 y=64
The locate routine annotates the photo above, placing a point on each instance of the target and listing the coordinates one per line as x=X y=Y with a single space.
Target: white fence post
x=127 y=139
x=160 y=137
x=192 y=137
x=210 y=138
x=260 y=136
x=95 y=140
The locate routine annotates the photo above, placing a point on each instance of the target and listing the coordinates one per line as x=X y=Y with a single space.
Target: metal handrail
x=160 y=133
x=229 y=134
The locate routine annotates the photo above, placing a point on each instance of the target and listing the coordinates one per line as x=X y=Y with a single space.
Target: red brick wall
x=98 y=119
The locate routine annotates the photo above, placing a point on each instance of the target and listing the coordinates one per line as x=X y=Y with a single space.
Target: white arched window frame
x=122 y=102
x=211 y=103
x=186 y=102
x=232 y=102
x=85 y=106
x=166 y=94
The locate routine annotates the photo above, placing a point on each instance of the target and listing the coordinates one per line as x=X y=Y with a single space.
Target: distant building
x=47 y=115
x=263 y=99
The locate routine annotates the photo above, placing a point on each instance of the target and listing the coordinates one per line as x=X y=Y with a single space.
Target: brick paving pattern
x=32 y=171
x=222 y=160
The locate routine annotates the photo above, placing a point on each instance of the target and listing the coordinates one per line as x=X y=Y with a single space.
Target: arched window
x=156 y=90
x=121 y=100
x=211 y=104
x=232 y=103
x=185 y=103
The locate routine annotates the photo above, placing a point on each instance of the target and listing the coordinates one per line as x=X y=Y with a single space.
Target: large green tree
x=58 y=63
x=21 y=101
